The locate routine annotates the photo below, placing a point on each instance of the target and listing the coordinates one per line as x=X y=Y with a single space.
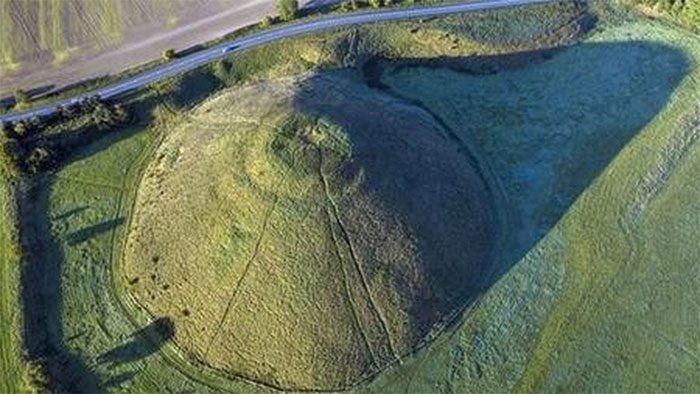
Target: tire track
x=351 y=300
x=237 y=287
x=348 y=294
x=355 y=260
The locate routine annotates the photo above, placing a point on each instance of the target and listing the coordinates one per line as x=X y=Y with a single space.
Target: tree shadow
x=599 y=142
x=142 y=343
x=70 y=213
x=41 y=296
x=89 y=232
x=43 y=330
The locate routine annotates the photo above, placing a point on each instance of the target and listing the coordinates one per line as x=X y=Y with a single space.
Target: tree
x=102 y=116
x=287 y=9
x=119 y=113
x=375 y=3
x=169 y=54
x=21 y=97
x=39 y=158
x=9 y=155
x=21 y=130
x=67 y=111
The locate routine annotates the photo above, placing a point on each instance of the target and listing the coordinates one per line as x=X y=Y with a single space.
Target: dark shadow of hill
x=598 y=145
x=628 y=112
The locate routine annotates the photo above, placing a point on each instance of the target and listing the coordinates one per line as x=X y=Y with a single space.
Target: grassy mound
x=294 y=243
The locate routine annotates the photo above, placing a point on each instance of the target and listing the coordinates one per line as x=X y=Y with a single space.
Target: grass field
x=685 y=12
x=592 y=149
x=13 y=371
x=585 y=152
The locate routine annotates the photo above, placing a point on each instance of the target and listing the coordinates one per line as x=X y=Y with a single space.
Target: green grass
x=268 y=193
x=593 y=151
x=78 y=217
x=80 y=213
x=589 y=153
x=685 y=12
x=13 y=371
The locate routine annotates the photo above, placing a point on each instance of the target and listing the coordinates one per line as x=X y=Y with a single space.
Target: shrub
x=287 y=9
x=38 y=159
x=21 y=97
x=169 y=54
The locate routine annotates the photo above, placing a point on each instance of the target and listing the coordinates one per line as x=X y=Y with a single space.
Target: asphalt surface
x=223 y=50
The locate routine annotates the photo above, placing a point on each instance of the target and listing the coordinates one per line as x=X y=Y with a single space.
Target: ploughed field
x=309 y=232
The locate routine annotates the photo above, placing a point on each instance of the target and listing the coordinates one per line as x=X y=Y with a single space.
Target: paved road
x=286 y=31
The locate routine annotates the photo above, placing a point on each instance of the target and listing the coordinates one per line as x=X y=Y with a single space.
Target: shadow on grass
x=44 y=337
x=142 y=343
x=595 y=142
x=89 y=232
x=41 y=296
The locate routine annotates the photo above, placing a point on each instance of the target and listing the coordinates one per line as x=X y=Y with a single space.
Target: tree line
x=24 y=147
x=288 y=10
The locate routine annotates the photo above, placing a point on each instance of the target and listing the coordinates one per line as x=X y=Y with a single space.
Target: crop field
x=35 y=30
x=515 y=209
x=53 y=44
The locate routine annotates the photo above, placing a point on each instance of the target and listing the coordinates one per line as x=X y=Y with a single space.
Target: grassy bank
x=13 y=370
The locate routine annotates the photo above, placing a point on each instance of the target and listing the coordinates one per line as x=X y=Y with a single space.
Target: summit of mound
x=306 y=233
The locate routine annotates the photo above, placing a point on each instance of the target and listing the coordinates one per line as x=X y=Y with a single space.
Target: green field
x=685 y=12
x=591 y=150
x=515 y=209
x=13 y=371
